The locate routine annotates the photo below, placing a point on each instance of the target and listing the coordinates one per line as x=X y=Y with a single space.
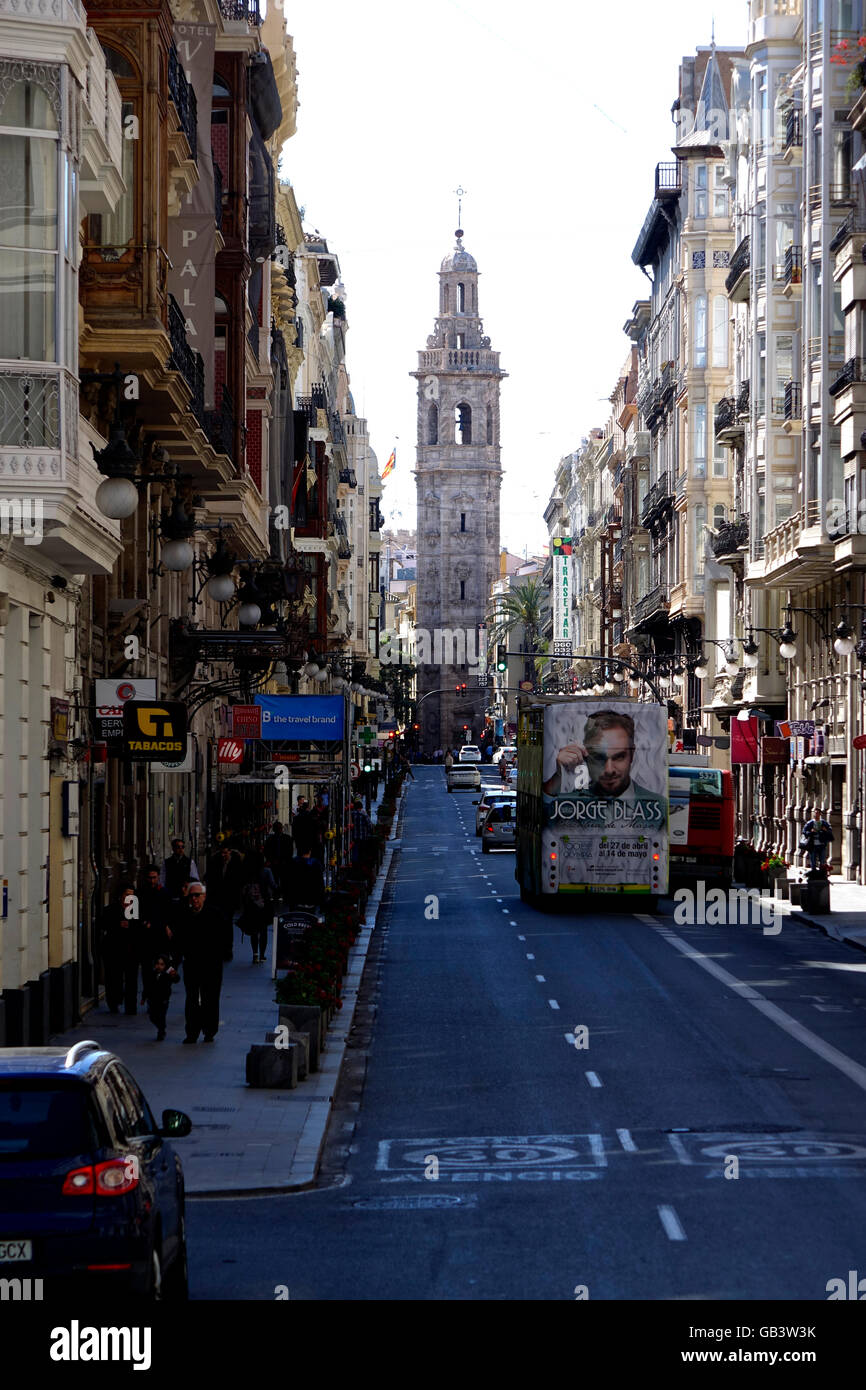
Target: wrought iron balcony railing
x=793 y=274
x=656 y=600
x=794 y=128
x=851 y=372
x=669 y=180
x=218 y=195
x=743 y=398
x=183 y=96
x=740 y=262
x=793 y=400
x=242 y=11
x=220 y=426
x=730 y=536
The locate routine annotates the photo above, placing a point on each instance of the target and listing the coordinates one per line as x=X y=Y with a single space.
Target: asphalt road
x=709 y=1141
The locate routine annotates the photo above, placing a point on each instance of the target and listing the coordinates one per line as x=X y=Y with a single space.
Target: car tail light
x=114 y=1178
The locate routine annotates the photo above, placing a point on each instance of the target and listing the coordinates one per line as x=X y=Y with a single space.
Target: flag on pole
x=390 y=465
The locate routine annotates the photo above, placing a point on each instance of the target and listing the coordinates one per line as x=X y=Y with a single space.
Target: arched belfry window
x=490 y=424
x=463 y=423
x=446 y=299
x=433 y=423
x=461 y=299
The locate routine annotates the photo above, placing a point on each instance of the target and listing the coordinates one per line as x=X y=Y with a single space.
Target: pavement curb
x=322 y=1087
x=824 y=924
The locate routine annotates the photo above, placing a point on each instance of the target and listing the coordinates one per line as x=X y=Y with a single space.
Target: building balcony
x=657 y=500
x=851 y=372
x=653 y=604
x=668 y=181
x=792 y=149
x=737 y=279
x=797 y=553
x=729 y=428
x=730 y=541
x=48 y=478
x=241 y=12
x=849 y=394
x=459 y=360
x=792 y=273
x=182 y=96
x=100 y=180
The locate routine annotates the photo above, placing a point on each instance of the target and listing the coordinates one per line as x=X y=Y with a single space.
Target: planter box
x=795 y=889
x=306 y=1018
x=781 y=888
x=815 y=897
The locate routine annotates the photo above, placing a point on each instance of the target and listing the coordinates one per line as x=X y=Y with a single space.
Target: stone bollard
x=305 y=1018
x=272 y=1068
x=299 y=1040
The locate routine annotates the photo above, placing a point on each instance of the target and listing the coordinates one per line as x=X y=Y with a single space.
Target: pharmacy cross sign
x=367 y=736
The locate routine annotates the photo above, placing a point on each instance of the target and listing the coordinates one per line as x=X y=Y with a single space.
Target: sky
x=552 y=117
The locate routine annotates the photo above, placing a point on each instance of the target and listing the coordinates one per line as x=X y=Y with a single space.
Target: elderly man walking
x=202 y=944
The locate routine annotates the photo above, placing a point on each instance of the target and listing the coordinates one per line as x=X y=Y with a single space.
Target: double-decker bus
x=592 y=798
x=701 y=821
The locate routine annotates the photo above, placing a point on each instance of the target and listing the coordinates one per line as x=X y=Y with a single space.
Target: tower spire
x=460 y=193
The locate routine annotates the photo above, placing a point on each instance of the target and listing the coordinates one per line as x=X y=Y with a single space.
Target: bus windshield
x=702 y=781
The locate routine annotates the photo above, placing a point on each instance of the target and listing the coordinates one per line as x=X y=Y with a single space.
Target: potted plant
x=775 y=871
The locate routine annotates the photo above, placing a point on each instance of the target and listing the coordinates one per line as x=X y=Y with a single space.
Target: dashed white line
x=520 y=938
x=679 y=1148
x=626 y=1140
x=541 y=980
x=671 y=1223
x=569 y=1038
x=529 y=955
x=553 y=1004
x=593 y=1079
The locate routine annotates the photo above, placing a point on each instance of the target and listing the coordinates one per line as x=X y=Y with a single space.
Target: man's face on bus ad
x=609 y=758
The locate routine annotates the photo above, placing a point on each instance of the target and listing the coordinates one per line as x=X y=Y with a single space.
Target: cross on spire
x=460 y=193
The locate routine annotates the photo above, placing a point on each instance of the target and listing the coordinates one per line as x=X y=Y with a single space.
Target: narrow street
x=560 y=1166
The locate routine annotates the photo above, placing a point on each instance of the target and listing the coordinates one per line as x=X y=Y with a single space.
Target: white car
x=509 y=753
x=470 y=753
x=493 y=796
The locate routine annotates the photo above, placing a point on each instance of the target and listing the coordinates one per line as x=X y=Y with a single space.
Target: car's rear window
x=502 y=812
x=44 y=1121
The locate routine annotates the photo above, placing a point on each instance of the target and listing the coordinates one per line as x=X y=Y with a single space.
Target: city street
x=607 y=1168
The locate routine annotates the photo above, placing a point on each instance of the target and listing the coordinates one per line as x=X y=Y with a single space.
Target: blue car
x=91 y=1191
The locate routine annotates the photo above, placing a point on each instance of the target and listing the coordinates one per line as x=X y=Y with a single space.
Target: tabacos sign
x=154 y=730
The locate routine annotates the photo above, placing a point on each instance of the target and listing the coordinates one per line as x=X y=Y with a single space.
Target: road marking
x=671 y=1223
x=569 y=1038
x=541 y=980
x=593 y=1079
x=512 y=924
x=679 y=1148
x=499 y=900
x=530 y=956
x=853 y=1070
x=626 y=1140
x=520 y=938
x=553 y=1004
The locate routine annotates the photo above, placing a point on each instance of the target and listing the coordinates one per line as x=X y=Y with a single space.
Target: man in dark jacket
x=176 y=869
x=121 y=936
x=304 y=827
x=306 y=881
x=155 y=932
x=224 y=879
x=278 y=852
x=202 y=944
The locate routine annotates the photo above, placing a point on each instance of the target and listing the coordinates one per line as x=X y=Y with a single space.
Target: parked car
x=512 y=776
x=508 y=752
x=470 y=753
x=493 y=796
x=498 y=829
x=91 y=1190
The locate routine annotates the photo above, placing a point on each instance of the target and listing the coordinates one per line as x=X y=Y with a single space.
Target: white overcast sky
x=552 y=116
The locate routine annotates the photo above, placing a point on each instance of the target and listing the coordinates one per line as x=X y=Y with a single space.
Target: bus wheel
x=526 y=896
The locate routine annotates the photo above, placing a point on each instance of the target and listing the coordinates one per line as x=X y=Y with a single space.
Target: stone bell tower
x=458 y=478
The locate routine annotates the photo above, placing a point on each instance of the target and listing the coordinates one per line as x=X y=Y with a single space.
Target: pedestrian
x=362 y=828
x=816 y=839
x=225 y=878
x=306 y=887
x=155 y=931
x=202 y=948
x=158 y=992
x=406 y=766
x=121 y=950
x=305 y=830
x=176 y=868
x=278 y=851
x=449 y=760
x=258 y=898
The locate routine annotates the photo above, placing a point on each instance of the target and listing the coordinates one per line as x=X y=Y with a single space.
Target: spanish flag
x=390 y=465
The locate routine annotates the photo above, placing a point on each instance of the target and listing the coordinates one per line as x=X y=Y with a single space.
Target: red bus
x=701 y=824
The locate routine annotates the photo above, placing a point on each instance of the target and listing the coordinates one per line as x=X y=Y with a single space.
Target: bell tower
x=458 y=478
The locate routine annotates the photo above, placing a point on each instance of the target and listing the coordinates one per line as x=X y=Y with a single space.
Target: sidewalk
x=243 y=1140
x=847 y=919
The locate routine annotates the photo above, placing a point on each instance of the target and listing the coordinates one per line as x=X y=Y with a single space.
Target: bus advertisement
x=592 y=797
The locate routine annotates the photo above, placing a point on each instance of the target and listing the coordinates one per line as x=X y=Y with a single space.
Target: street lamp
x=787 y=639
x=751 y=652
x=845 y=640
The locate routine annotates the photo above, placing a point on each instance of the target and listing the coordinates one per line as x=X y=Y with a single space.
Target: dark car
x=91 y=1191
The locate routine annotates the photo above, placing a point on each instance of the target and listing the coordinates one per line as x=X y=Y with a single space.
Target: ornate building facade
x=458 y=481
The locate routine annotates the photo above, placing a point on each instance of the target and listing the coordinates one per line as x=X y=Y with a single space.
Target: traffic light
x=501 y=658
x=460 y=689
x=465 y=728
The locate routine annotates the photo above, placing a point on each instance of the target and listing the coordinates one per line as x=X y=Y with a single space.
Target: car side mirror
x=175 y=1124
x=476 y=803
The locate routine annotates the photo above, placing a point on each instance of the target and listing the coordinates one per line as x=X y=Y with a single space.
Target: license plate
x=602 y=888
x=15 y=1251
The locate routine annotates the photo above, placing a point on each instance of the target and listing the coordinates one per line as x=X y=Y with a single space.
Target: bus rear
x=701 y=824
x=592 y=798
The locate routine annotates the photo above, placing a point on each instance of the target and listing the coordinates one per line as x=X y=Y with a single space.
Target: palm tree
x=520 y=609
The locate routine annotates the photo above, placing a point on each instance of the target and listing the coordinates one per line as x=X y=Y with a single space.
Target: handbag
x=805 y=842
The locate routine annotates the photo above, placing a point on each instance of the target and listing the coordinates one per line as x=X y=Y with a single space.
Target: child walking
x=158 y=993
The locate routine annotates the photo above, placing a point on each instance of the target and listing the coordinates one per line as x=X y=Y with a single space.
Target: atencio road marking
x=853 y=1070
x=671 y=1223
